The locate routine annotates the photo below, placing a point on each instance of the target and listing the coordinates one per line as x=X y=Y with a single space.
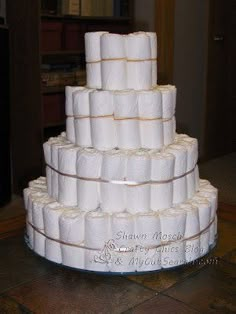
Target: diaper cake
x=122 y=192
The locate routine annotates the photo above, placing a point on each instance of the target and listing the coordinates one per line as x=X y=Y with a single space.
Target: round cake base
x=201 y=260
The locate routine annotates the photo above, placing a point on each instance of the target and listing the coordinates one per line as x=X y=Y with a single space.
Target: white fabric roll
x=211 y=194
x=51 y=215
x=49 y=180
x=180 y=184
x=113 y=196
x=153 y=42
x=27 y=194
x=192 y=247
x=67 y=191
x=89 y=162
x=150 y=107
x=103 y=129
x=69 y=90
x=126 y=106
x=173 y=222
x=138 y=170
x=113 y=67
x=39 y=243
x=30 y=235
x=204 y=210
x=70 y=129
x=123 y=234
x=139 y=72
x=169 y=131
x=53 y=251
x=81 y=111
x=203 y=182
x=97 y=234
x=71 y=224
x=93 y=75
x=162 y=169
x=93 y=54
x=37 y=211
x=147 y=229
x=168 y=93
x=196 y=175
x=54 y=163
x=32 y=197
x=92 y=46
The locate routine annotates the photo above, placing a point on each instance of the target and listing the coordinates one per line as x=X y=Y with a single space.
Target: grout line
x=137 y=305
x=25 y=309
x=180 y=301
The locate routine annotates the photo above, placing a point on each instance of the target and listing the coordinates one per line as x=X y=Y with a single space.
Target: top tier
x=119 y=62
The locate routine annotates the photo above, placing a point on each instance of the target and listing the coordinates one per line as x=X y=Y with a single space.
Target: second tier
x=121 y=119
x=118 y=180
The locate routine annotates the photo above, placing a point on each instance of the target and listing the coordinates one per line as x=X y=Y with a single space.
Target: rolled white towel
x=179 y=184
x=89 y=162
x=81 y=111
x=103 y=128
x=196 y=176
x=125 y=112
x=113 y=196
x=162 y=169
x=173 y=224
x=123 y=234
x=113 y=66
x=150 y=114
x=192 y=247
x=71 y=224
x=153 y=41
x=203 y=182
x=93 y=59
x=97 y=234
x=67 y=167
x=147 y=230
x=138 y=170
x=139 y=64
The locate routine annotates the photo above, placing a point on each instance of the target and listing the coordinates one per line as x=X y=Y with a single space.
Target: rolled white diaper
x=147 y=230
x=153 y=41
x=113 y=67
x=51 y=215
x=192 y=246
x=81 y=111
x=196 y=176
x=138 y=170
x=173 y=224
x=89 y=162
x=67 y=158
x=162 y=169
x=139 y=63
x=97 y=235
x=113 y=196
x=30 y=235
x=203 y=182
x=125 y=113
x=168 y=93
x=150 y=123
x=103 y=128
x=54 y=163
x=204 y=210
x=123 y=235
x=169 y=131
x=71 y=224
x=70 y=129
x=180 y=182
x=93 y=59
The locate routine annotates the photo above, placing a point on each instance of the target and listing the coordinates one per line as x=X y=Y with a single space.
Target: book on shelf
x=97 y=7
x=70 y=7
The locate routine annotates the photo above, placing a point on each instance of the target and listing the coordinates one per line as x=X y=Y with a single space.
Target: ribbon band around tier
x=123 y=249
x=119 y=118
x=122 y=182
x=121 y=59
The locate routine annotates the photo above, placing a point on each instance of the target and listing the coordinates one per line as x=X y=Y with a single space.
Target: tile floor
x=29 y=284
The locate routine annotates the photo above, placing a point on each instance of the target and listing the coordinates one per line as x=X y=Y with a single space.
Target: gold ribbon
x=121 y=182
x=120 y=118
x=122 y=59
x=124 y=250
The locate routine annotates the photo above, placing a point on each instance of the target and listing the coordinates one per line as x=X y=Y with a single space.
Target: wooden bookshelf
x=29 y=129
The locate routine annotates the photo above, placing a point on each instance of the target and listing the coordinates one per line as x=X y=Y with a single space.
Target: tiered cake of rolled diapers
x=122 y=191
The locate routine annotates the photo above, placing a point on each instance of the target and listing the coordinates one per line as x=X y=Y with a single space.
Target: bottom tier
x=121 y=242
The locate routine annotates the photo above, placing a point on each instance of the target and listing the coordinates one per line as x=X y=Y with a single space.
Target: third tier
x=121 y=119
